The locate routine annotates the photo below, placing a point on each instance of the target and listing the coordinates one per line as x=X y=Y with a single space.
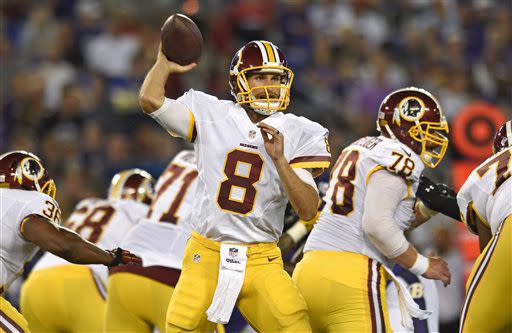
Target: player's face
x=269 y=80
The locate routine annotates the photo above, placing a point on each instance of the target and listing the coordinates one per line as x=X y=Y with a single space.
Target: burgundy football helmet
x=260 y=56
x=414 y=117
x=25 y=171
x=503 y=137
x=132 y=184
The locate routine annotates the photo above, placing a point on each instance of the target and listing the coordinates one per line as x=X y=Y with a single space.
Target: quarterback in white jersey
x=58 y=286
x=29 y=221
x=370 y=202
x=485 y=202
x=251 y=159
x=138 y=296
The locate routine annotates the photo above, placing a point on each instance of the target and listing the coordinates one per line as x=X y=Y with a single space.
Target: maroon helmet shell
x=132 y=184
x=503 y=137
x=264 y=57
x=414 y=117
x=25 y=171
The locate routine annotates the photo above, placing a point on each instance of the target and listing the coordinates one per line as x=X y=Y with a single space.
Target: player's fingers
x=267 y=131
x=272 y=129
x=185 y=68
x=446 y=280
x=264 y=134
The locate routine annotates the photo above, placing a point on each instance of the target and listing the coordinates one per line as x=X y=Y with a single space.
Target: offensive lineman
x=29 y=222
x=370 y=201
x=485 y=203
x=56 y=292
x=138 y=297
x=251 y=160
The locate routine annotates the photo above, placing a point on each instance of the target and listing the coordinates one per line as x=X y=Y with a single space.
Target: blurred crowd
x=71 y=70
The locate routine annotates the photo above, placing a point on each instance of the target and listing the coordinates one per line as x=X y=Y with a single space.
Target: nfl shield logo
x=233 y=252
x=252 y=134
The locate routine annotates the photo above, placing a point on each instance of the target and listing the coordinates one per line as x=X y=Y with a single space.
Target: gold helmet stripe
x=263 y=51
x=270 y=52
x=276 y=53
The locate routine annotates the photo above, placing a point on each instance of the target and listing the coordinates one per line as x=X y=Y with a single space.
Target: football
x=182 y=41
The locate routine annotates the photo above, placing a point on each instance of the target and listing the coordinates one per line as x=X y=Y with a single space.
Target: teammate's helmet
x=503 y=137
x=132 y=184
x=414 y=117
x=260 y=56
x=25 y=171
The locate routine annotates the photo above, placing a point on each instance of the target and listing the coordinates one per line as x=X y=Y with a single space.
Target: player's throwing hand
x=172 y=67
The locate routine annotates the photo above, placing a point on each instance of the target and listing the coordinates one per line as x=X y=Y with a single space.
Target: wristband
x=420 y=265
x=297 y=231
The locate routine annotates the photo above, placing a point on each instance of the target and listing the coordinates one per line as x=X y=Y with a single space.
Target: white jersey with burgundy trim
x=15 y=251
x=339 y=226
x=487 y=193
x=239 y=195
x=102 y=222
x=161 y=238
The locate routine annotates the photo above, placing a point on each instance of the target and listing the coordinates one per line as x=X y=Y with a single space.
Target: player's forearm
x=77 y=250
x=407 y=258
x=302 y=196
x=152 y=92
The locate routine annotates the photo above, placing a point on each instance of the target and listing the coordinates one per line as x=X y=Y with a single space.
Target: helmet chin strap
x=390 y=132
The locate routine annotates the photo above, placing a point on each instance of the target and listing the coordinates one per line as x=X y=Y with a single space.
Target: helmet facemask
x=50 y=189
x=268 y=104
x=433 y=139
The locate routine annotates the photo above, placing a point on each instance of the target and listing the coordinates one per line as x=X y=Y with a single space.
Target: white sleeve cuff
x=176 y=118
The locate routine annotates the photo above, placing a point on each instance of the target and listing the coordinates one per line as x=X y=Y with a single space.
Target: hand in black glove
x=123 y=257
x=439 y=197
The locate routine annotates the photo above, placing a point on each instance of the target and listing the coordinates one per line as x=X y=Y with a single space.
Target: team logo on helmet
x=31 y=168
x=411 y=108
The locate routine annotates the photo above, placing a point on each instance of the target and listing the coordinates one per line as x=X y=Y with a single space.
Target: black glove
x=123 y=257
x=439 y=197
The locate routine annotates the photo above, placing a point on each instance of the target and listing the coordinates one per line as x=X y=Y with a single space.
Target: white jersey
x=239 y=195
x=161 y=238
x=488 y=191
x=102 y=222
x=424 y=293
x=339 y=226
x=15 y=251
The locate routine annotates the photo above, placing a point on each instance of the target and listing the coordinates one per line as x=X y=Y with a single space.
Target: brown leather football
x=182 y=41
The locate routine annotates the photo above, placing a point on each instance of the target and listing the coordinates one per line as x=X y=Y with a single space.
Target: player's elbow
x=149 y=103
x=308 y=213
x=370 y=226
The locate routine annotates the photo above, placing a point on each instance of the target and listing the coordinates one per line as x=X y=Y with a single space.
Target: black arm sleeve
x=438 y=197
